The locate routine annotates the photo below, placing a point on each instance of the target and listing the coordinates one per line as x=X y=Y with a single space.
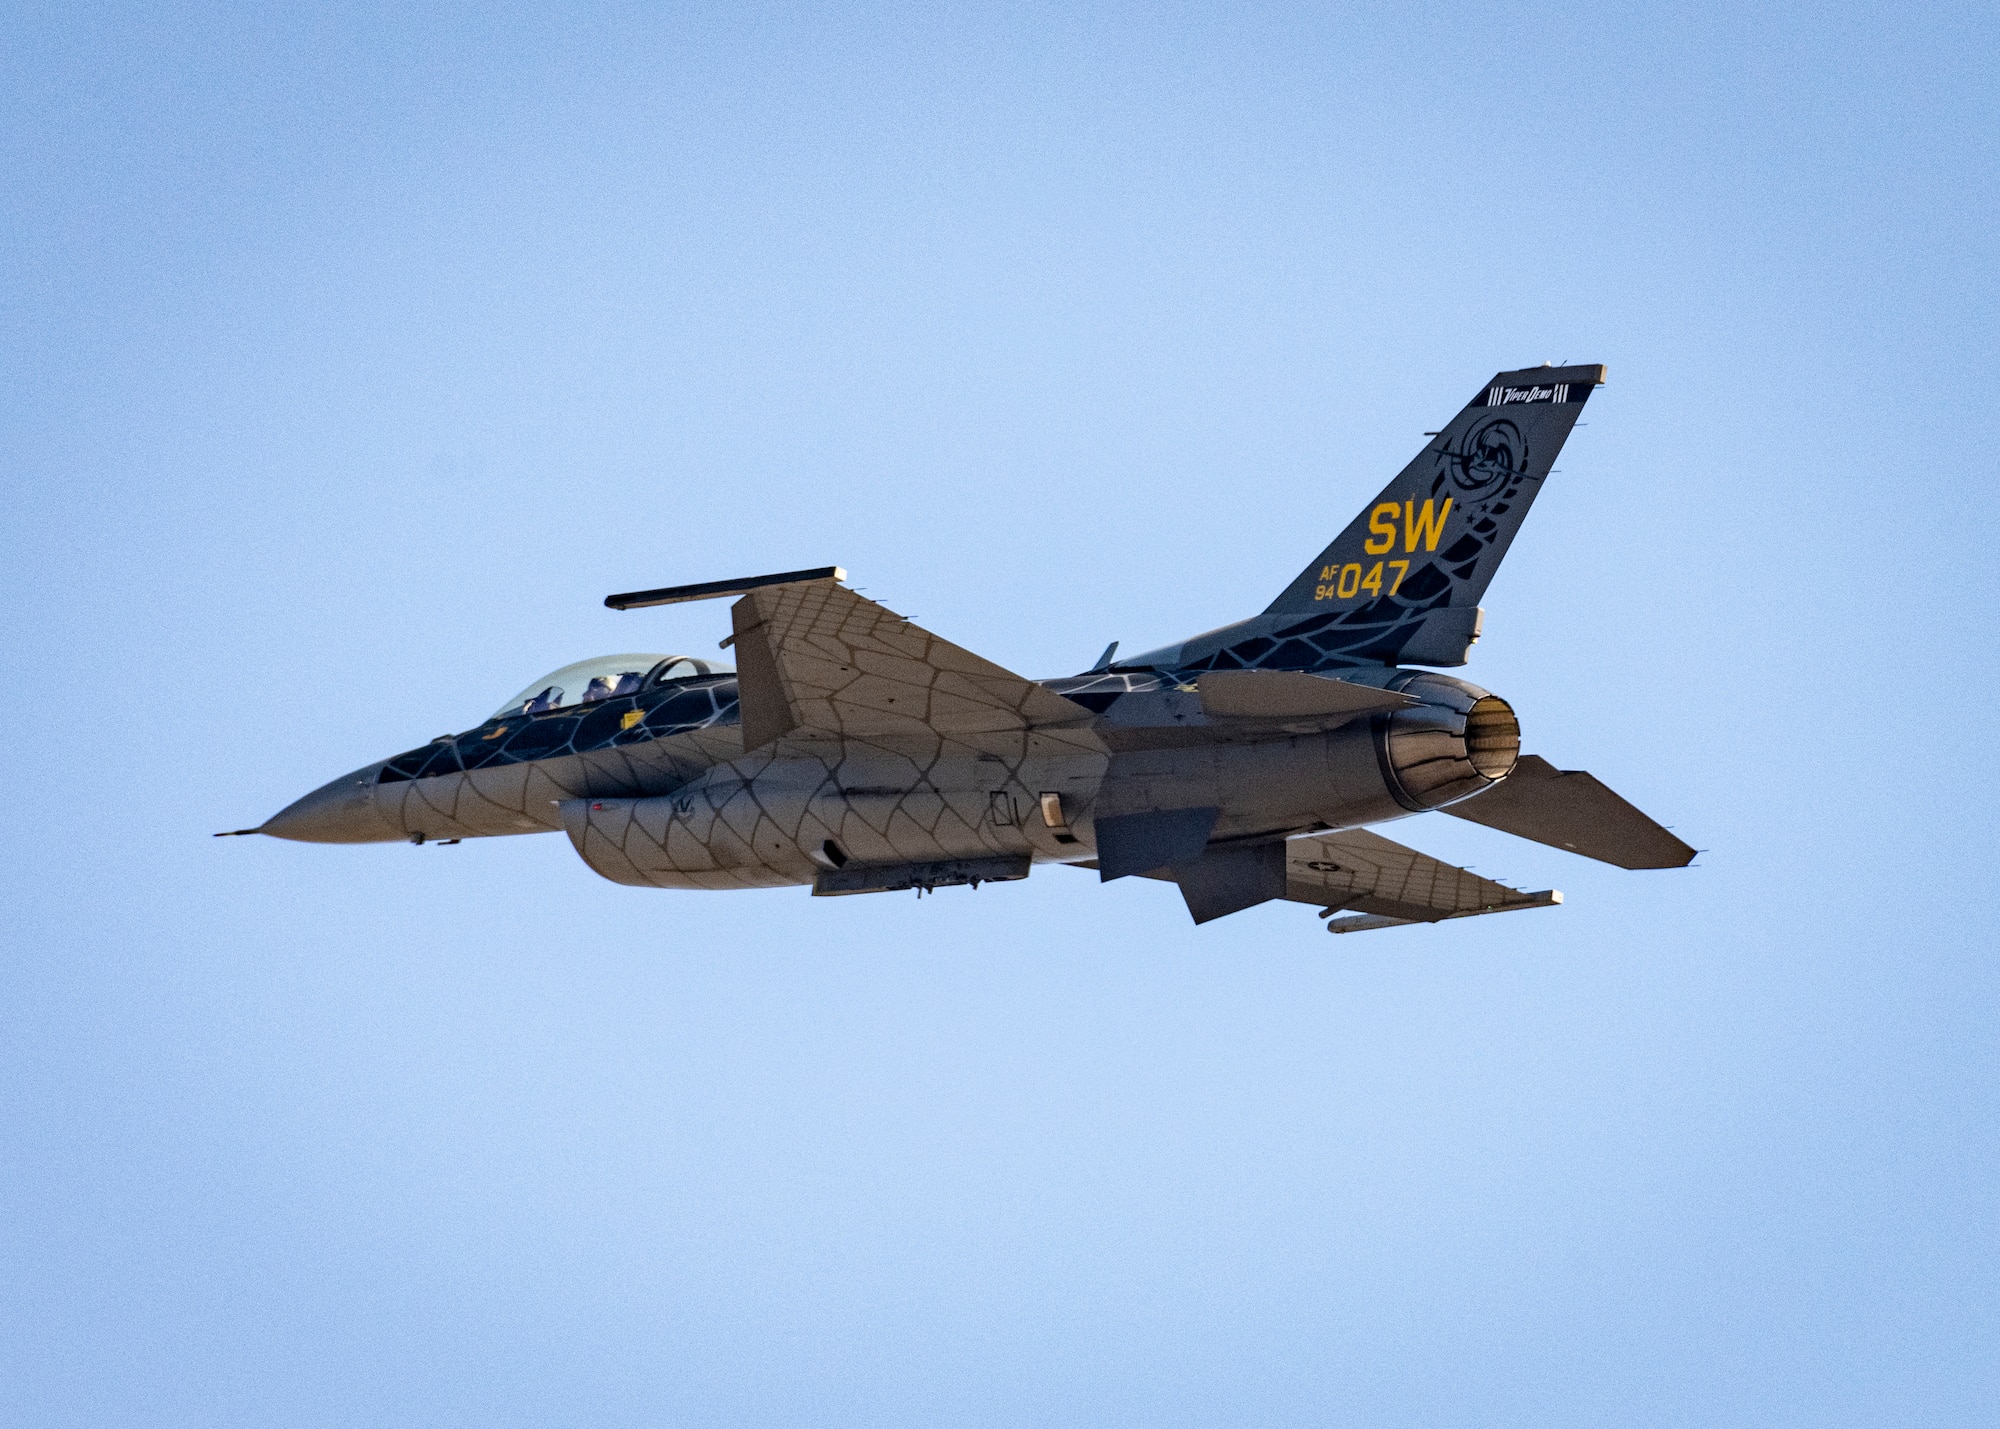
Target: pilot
x=601 y=687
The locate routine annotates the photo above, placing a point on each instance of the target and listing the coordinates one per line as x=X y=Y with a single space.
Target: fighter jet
x=851 y=751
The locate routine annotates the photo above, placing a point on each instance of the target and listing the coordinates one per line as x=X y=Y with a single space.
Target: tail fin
x=1431 y=541
x=1401 y=584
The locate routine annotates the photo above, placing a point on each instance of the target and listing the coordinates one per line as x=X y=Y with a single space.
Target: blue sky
x=352 y=355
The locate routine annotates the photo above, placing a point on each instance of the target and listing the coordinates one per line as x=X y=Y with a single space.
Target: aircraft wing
x=1568 y=809
x=1384 y=885
x=815 y=659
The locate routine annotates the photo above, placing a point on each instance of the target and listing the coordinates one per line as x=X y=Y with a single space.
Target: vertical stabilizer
x=1401 y=584
x=1435 y=535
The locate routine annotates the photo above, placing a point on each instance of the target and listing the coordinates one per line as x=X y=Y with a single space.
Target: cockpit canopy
x=608 y=676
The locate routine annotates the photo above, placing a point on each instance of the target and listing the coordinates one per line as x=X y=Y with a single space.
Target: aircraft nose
x=340 y=812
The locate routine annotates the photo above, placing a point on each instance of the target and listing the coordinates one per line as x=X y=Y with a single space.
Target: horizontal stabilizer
x=1362 y=873
x=1568 y=809
x=1382 y=884
x=1289 y=695
x=711 y=590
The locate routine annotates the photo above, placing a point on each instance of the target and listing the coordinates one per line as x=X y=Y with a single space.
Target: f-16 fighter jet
x=854 y=752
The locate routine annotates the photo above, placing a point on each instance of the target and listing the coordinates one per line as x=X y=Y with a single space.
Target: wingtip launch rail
x=715 y=590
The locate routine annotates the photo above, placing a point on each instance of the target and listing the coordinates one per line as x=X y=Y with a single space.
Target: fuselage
x=856 y=751
x=654 y=787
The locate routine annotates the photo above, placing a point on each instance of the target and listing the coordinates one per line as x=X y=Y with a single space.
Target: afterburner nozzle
x=1459 y=742
x=1492 y=737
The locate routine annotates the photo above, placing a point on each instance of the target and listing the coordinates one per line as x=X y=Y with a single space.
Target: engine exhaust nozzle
x=1460 y=742
x=1492 y=737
